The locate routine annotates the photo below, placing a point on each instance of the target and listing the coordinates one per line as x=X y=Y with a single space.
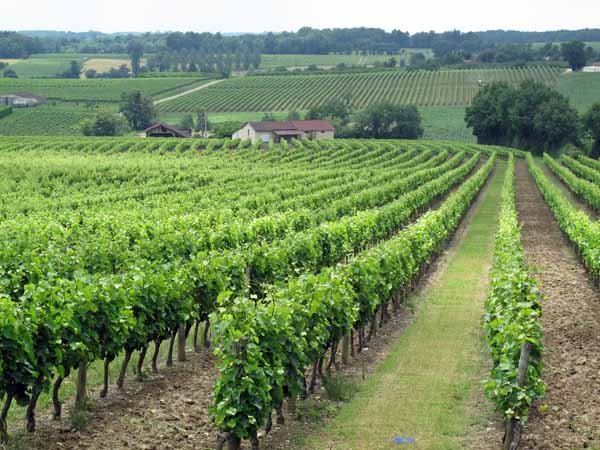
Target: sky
x=289 y=15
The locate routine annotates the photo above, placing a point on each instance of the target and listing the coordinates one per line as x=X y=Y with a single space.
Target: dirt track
x=569 y=417
x=181 y=94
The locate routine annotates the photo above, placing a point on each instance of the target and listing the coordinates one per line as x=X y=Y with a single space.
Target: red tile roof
x=294 y=125
x=272 y=126
x=313 y=125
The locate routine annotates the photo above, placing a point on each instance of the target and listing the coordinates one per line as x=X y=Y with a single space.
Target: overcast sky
x=279 y=15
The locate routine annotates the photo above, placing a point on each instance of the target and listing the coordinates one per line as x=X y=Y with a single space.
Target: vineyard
x=581 y=88
x=120 y=252
x=300 y=92
x=256 y=244
x=97 y=90
x=43 y=122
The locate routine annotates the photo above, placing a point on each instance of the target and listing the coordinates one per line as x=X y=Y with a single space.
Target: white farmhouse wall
x=247 y=132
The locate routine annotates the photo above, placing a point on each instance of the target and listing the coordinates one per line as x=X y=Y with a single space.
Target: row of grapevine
x=299 y=92
x=583 y=232
x=586 y=190
x=43 y=122
x=122 y=284
x=513 y=330
x=96 y=90
x=264 y=348
x=581 y=169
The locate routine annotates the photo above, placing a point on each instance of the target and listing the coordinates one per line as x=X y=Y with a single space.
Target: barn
x=163 y=130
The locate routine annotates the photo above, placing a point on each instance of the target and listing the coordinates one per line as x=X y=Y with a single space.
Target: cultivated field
x=582 y=88
x=43 y=121
x=122 y=246
x=46 y=67
x=105 y=64
x=97 y=90
x=282 y=93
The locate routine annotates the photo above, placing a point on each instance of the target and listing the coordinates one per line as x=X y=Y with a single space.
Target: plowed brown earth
x=569 y=417
x=167 y=411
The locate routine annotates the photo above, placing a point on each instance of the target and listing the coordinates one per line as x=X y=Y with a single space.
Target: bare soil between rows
x=569 y=417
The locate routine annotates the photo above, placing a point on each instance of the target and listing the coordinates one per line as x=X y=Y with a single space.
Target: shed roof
x=176 y=131
x=313 y=125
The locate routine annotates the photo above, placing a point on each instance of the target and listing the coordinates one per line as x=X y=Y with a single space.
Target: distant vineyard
x=97 y=90
x=422 y=88
x=329 y=60
x=582 y=88
x=42 y=122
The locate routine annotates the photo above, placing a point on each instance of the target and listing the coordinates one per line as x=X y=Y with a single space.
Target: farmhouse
x=276 y=131
x=164 y=130
x=22 y=100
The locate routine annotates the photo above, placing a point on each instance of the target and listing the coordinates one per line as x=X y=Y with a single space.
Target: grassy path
x=423 y=388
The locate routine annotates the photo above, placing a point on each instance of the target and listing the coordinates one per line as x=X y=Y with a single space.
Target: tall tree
x=138 y=110
x=389 y=121
x=489 y=114
x=574 y=53
x=136 y=51
x=533 y=117
x=556 y=123
x=591 y=121
x=74 y=70
x=104 y=124
x=530 y=96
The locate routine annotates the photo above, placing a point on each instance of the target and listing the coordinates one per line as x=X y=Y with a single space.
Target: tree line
x=532 y=117
x=304 y=41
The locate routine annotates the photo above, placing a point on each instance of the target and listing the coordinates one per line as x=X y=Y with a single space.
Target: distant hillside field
x=97 y=90
x=287 y=92
x=332 y=60
x=582 y=88
x=43 y=122
x=43 y=67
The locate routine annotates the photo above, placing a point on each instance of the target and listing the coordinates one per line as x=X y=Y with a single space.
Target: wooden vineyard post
x=514 y=428
x=81 y=395
x=181 y=343
x=346 y=350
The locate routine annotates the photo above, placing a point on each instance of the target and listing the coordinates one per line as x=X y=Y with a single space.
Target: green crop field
x=43 y=121
x=332 y=60
x=42 y=67
x=582 y=88
x=422 y=88
x=97 y=90
x=113 y=244
x=446 y=123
